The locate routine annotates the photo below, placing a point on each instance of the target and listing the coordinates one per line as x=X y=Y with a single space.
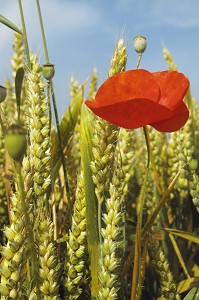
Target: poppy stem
x=137 y=269
x=139 y=60
x=24 y=33
x=55 y=113
x=42 y=31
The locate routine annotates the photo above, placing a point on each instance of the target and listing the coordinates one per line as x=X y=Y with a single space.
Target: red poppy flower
x=136 y=98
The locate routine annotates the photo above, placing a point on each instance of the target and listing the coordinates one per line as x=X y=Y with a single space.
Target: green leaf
x=67 y=126
x=9 y=24
x=193 y=294
x=187 y=284
x=183 y=234
x=18 y=86
x=91 y=201
x=179 y=255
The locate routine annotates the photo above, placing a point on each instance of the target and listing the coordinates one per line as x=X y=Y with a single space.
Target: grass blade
x=193 y=294
x=183 y=234
x=18 y=86
x=91 y=202
x=9 y=24
x=187 y=284
x=179 y=255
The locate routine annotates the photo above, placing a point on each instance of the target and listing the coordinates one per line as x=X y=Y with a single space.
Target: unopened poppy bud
x=140 y=44
x=48 y=71
x=15 y=141
x=3 y=93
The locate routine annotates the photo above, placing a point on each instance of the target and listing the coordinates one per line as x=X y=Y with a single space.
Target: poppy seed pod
x=139 y=44
x=15 y=141
x=3 y=93
x=48 y=71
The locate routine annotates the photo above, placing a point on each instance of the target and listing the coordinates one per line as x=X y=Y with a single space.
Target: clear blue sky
x=81 y=34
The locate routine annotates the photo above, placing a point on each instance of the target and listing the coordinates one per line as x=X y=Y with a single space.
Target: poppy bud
x=140 y=44
x=15 y=141
x=48 y=71
x=3 y=93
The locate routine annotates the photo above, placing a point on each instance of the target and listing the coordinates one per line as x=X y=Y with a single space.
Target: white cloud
x=174 y=13
x=11 y=13
x=69 y=15
x=70 y=21
x=58 y=16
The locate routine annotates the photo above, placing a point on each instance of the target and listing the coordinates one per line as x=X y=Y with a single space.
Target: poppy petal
x=173 y=86
x=130 y=114
x=129 y=85
x=175 y=122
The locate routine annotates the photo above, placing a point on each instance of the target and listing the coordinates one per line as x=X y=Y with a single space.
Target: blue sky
x=81 y=35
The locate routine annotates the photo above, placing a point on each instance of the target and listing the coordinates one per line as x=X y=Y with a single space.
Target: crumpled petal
x=136 y=98
x=132 y=113
x=129 y=85
x=173 y=86
x=175 y=122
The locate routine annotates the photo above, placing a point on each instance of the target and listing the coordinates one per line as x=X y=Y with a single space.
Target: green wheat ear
x=75 y=265
x=17 y=62
x=17 y=251
x=109 y=188
x=194 y=161
x=158 y=141
x=159 y=261
x=105 y=135
x=39 y=152
x=119 y=59
x=3 y=199
x=14 y=253
x=125 y=154
x=9 y=106
x=93 y=85
x=169 y=60
x=112 y=247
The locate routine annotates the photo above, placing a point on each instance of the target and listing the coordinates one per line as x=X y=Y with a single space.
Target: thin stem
x=141 y=202
x=137 y=278
x=55 y=111
x=24 y=34
x=42 y=32
x=160 y=204
x=29 y=230
x=139 y=60
x=146 y=135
